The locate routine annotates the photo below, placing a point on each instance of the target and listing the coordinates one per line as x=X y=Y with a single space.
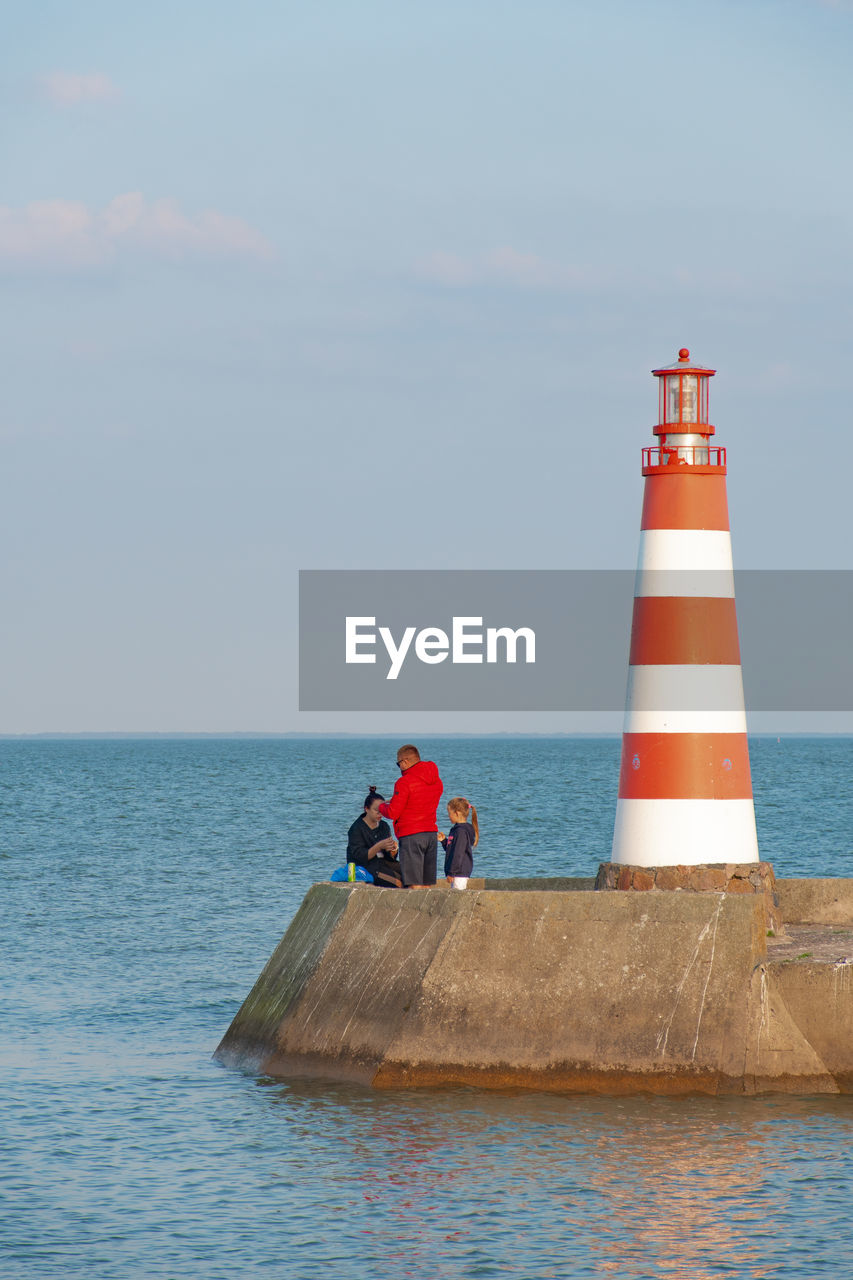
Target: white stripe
x=684 y=562
x=668 y=833
x=685 y=549
x=684 y=722
x=693 y=691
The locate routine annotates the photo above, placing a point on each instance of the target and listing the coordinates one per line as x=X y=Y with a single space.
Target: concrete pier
x=549 y=985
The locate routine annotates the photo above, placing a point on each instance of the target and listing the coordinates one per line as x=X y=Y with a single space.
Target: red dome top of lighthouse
x=684 y=365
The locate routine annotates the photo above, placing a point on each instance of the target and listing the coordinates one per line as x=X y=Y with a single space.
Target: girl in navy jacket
x=459 y=842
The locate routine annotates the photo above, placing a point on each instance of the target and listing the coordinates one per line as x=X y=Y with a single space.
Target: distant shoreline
x=334 y=737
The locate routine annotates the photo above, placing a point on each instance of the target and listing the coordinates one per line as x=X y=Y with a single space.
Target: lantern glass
x=689 y=398
x=703 y=399
x=682 y=398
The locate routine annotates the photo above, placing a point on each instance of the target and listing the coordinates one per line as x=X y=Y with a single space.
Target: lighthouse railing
x=662 y=457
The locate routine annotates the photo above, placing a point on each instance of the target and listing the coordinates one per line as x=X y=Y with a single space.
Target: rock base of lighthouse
x=757 y=878
x=554 y=988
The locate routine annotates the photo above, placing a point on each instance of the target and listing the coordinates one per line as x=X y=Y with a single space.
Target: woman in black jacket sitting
x=371 y=845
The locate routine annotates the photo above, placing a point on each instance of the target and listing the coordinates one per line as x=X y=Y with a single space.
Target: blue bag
x=360 y=875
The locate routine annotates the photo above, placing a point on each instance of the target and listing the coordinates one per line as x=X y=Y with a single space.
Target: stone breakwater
x=552 y=985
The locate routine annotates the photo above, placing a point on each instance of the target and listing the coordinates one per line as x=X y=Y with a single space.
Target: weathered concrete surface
x=822 y=901
x=779 y=1057
x=584 y=991
x=283 y=979
x=818 y=999
x=563 y=884
x=343 y=976
x=804 y=1010
x=559 y=990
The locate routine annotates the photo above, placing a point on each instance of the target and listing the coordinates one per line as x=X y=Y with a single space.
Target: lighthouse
x=685 y=790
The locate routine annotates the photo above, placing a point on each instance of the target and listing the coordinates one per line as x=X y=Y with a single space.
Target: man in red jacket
x=412 y=809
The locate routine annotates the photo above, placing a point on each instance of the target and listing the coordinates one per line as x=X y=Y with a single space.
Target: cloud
x=514 y=269
x=504 y=266
x=70 y=235
x=68 y=89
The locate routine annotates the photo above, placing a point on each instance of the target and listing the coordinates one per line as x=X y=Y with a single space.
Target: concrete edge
x=285 y=975
x=827 y=900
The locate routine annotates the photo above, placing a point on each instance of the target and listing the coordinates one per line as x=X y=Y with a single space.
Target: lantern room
x=683 y=429
x=683 y=397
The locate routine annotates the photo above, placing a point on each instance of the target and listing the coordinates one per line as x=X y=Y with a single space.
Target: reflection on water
x=483 y=1184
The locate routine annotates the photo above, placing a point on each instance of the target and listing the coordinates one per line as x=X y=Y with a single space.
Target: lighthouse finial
x=684 y=354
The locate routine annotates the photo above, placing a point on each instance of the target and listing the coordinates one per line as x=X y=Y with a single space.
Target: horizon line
x=233 y=735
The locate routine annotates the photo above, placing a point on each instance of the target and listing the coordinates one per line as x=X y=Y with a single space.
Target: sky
x=285 y=281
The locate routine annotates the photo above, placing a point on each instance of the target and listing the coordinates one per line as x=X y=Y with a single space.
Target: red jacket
x=413 y=806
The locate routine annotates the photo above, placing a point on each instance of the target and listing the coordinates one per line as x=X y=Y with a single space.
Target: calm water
x=145 y=884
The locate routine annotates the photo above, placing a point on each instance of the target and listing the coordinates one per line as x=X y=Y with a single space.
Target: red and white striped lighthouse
x=685 y=791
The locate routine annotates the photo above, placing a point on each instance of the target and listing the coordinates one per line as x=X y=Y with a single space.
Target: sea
x=145 y=883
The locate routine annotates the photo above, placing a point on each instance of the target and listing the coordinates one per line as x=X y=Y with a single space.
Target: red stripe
x=685 y=500
x=685 y=766
x=684 y=629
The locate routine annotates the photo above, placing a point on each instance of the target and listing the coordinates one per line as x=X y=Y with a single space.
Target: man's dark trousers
x=418 y=854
